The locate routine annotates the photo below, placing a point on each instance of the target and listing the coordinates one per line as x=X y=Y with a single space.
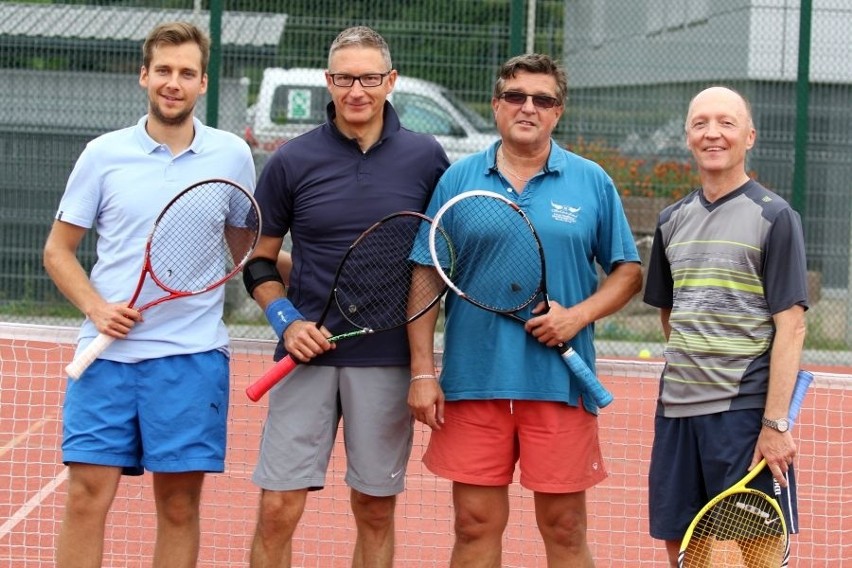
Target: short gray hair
x=361 y=36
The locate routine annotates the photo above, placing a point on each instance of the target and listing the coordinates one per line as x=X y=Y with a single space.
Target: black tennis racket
x=200 y=239
x=498 y=265
x=742 y=526
x=377 y=286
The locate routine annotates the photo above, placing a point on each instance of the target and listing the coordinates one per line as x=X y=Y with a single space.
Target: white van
x=293 y=101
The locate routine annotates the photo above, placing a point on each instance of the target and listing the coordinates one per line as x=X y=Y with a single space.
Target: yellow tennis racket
x=742 y=527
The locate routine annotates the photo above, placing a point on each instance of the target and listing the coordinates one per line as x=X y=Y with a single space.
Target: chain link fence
x=69 y=72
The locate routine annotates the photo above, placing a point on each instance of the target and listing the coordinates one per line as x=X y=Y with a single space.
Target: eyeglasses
x=368 y=80
x=518 y=98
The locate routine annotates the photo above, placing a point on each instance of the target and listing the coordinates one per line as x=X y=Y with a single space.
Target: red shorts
x=481 y=441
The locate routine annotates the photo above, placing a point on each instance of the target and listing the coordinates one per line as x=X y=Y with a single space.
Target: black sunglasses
x=518 y=98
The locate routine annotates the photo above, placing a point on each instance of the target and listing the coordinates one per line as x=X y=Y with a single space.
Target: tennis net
x=32 y=490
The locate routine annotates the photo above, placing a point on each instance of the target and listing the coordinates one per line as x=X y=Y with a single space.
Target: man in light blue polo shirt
x=158 y=398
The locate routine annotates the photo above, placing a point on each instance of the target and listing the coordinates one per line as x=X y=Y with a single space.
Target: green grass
x=625 y=330
x=35 y=310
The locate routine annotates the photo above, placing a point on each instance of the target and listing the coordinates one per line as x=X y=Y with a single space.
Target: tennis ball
x=644 y=354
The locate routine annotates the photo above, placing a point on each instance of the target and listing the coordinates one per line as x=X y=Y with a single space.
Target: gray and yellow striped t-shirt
x=723 y=268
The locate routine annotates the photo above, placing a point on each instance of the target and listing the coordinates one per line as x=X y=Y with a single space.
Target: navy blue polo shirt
x=322 y=189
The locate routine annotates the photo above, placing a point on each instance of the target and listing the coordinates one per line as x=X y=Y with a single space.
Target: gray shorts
x=302 y=423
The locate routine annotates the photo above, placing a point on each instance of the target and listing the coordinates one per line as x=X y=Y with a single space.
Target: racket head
x=200 y=239
x=378 y=285
x=739 y=527
x=700 y=548
x=497 y=257
x=203 y=237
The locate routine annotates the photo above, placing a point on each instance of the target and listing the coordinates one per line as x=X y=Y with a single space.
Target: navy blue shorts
x=166 y=415
x=694 y=459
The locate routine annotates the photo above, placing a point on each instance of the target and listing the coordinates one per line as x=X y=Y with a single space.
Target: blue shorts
x=166 y=415
x=694 y=459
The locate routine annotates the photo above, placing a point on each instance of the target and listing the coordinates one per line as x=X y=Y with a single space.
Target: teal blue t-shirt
x=578 y=215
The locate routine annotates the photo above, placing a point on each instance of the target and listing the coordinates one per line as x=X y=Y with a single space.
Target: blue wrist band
x=280 y=314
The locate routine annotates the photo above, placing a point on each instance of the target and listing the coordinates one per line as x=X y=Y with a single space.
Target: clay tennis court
x=33 y=480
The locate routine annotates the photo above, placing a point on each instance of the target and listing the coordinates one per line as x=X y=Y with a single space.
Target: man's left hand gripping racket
x=742 y=527
x=202 y=237
x=498 y=265
x=377 y=286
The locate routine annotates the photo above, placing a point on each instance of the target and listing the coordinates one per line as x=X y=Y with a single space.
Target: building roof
x=113 y=23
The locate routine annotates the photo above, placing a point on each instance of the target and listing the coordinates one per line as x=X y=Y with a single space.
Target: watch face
x=781 y=425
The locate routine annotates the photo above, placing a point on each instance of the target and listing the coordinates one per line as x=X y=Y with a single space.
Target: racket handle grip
x=270 y=378
x=803 y=382
x=86 y=357
x=589 y=383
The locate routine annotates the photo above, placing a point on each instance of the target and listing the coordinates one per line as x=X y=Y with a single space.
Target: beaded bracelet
x=419 y=377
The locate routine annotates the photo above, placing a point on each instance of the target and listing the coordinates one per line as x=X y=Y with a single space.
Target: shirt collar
x=149 y=144
x=390 y=122
x=554 y=164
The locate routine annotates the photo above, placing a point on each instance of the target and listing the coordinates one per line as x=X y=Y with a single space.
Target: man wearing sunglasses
x=506 y=398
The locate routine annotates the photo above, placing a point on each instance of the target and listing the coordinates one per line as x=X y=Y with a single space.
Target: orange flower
x=667 y=178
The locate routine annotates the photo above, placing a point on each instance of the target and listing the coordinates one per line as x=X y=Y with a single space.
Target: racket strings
x=203 y=236
x=743 y=529
x=497 y=259
x=379 y=287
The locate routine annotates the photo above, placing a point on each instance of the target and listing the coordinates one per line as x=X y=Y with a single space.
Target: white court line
x=13 y=443
x=44 y=492
x=34 y=502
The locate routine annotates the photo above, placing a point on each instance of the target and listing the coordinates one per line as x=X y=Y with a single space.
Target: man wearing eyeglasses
x=505 y=396
x=324 y=188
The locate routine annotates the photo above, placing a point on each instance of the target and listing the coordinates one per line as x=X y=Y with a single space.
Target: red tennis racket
x=377 y=286
x=498 y=265
x=202 y=237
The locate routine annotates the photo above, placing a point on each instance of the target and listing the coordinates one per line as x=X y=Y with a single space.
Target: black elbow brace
x=259 y=270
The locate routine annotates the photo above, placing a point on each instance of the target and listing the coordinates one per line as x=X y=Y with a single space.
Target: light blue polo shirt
x=577 y=213
x=119 y=185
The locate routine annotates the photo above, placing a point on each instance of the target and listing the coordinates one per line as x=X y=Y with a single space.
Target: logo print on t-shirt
x=564 y=213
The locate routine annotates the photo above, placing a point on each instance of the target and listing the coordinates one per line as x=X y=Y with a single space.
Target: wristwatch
x=780 y=425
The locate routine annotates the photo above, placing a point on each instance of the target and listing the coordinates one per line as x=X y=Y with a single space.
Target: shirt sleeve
x=617 y=237
x=659 y=286
x=81 y=199
x=272 y=196
x=784 y=265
